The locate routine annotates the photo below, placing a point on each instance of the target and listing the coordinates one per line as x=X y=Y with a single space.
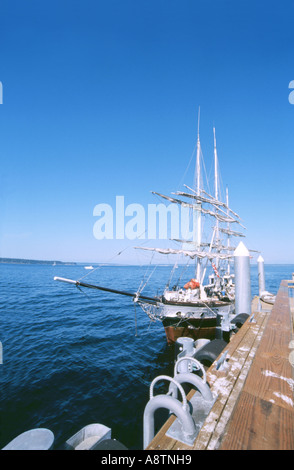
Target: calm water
x=72 y=358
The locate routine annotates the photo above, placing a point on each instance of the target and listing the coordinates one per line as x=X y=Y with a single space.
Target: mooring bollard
x=242 y=280
x=261 y=278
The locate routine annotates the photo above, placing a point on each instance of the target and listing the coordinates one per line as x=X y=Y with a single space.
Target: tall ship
x=204 y=305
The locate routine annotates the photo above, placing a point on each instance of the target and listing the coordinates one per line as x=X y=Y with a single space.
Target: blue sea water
x=74 y=357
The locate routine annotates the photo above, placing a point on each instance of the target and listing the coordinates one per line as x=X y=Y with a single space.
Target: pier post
x=242 y=280
x=261 y=278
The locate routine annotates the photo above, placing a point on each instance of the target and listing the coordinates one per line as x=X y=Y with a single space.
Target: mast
x=228 y=240
x=198 y=205
x=216 y=189
x=215 y=168
x=198 y=158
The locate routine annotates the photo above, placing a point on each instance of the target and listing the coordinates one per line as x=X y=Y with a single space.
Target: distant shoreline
x=34 y=261
x=73 y=263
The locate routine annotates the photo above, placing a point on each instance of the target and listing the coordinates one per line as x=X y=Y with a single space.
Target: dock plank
x=257 y=426
x=237 y=388
x=264 y=414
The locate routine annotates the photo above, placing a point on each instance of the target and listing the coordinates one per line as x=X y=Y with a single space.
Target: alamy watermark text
x=291 y=95
x=134 y=222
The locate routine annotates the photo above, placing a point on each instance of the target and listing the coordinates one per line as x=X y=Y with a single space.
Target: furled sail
x=212 y=200
x=188 y=241
x=231 y=232
x=204 y=211
x=191 y=253
x=216 y=204
x=218 y=247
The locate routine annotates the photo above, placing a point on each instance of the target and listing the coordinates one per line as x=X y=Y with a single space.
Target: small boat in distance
x=88 y=267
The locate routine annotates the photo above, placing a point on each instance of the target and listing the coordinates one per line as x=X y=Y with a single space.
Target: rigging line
x=210 y=176
x=221 y=184
x=140 y=236
x=140 y=289
x=183 y=320
x=86 y=295
x=105 y=264
x=183 y=271
x=95 y=269
x=188 y=166
x=204 y=168
x=149 y=325
x=214 y=314
x=136 y=332
x=171 y=274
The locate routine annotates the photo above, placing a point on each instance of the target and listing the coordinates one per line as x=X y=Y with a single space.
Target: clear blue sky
x=100 y=98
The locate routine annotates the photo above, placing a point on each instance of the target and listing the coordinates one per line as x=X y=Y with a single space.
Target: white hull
x=189 y=312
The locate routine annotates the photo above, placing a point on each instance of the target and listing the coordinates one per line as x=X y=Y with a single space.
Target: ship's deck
x=254 y=408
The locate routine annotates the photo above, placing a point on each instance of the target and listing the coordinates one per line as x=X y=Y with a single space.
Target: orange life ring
x=192 y=284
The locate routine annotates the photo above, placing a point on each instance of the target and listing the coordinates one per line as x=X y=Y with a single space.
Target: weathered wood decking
x=254 y=407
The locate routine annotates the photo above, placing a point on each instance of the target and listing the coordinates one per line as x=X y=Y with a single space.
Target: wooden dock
x=254 y=409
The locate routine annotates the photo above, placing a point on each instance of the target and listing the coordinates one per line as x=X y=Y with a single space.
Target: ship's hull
x=193 y=328
x=198 y=310
x=191 y=319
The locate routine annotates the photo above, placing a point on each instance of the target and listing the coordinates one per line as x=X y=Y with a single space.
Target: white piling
x=261 y=278
x=242 y=280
